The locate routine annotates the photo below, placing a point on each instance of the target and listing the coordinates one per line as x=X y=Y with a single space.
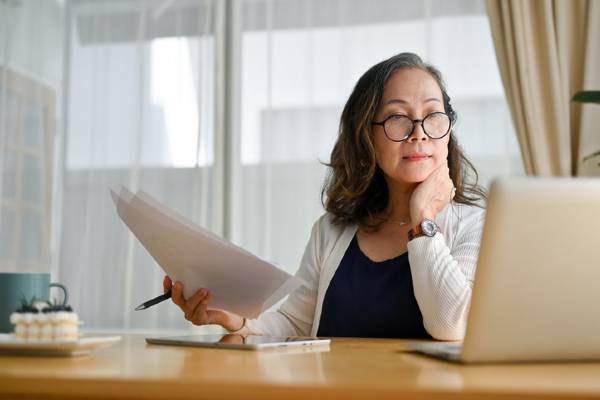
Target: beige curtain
x=546 y=52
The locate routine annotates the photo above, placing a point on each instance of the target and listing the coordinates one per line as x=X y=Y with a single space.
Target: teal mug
x=18 y=286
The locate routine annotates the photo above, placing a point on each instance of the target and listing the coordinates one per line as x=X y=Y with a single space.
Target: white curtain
x=30 y=86
x=223 y=110
x=141 y=113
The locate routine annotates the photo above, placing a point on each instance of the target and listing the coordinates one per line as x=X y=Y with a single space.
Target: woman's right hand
x=196 y=308
x=432 y=195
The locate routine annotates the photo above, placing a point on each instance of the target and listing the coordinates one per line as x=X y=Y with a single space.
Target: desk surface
x=350 y=369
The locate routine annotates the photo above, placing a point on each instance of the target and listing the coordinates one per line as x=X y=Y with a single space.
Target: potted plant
x=588 y=96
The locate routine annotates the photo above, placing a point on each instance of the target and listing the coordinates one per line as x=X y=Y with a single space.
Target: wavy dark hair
x=355 y=191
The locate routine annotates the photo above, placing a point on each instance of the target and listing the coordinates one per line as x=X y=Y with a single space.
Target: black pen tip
x=140 y=307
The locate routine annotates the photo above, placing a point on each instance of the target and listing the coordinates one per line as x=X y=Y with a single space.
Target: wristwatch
x=426 y=228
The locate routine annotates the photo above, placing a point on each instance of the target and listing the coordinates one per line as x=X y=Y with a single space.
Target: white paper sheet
x=240 y=281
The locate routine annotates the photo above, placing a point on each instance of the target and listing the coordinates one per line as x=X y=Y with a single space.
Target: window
x=28 y=134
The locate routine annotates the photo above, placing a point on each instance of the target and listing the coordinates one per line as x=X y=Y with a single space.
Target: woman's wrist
x=419 y=215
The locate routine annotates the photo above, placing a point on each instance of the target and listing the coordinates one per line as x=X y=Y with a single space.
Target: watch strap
x=415 y=232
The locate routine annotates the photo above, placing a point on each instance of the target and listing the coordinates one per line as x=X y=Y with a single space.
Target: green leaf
x=587 y=96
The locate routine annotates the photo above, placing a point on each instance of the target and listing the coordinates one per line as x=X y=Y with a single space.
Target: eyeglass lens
x=399 y=127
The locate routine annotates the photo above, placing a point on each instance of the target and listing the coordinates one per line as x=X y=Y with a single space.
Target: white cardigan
x=442 y=268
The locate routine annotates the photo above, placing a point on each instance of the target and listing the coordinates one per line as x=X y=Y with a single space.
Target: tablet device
x=236 y=341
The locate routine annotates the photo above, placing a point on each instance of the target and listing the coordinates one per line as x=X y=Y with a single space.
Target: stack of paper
x=239 y=281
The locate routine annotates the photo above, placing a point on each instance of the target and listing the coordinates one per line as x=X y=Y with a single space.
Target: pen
x=154 y=301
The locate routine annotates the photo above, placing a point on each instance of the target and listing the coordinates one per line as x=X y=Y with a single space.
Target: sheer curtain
x=299 y=62
x=141 y=113
x=30 y=87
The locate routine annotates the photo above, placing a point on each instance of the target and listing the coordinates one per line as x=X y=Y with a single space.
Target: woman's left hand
x=432 y=195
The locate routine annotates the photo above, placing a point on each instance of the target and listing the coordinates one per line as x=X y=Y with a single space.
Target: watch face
x=429 y=227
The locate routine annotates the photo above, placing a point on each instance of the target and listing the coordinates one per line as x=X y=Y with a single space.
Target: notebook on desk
x=537 y=287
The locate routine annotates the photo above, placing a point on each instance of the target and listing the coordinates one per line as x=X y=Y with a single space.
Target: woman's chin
x=409 y=177
x=405 y=182
x=412 y=173
x=412 y=178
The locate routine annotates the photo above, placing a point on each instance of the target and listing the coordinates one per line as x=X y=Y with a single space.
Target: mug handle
x=64 y=289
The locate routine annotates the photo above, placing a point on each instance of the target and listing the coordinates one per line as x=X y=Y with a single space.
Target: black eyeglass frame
x=414 y=124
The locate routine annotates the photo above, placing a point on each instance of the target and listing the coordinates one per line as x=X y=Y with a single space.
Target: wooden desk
x=351 y=369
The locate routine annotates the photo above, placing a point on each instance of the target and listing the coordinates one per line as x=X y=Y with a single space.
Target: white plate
x=11 y=345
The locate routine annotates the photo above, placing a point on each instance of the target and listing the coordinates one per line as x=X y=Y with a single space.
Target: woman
x=395 y=254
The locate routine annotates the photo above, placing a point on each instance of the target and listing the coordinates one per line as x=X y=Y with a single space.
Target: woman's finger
x=200 y=315
x=207 y=300
x=192 y=303
x=177 y=295
x=167 y=284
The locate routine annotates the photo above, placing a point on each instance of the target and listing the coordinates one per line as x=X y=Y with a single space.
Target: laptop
x=536 y=295
x=241 y=342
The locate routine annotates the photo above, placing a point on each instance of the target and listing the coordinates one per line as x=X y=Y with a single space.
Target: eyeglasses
x=398 y=127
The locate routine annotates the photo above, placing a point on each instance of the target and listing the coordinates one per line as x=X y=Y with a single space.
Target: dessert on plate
x=45 y=320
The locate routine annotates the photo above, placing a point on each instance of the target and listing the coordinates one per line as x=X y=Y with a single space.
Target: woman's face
x=415 y=93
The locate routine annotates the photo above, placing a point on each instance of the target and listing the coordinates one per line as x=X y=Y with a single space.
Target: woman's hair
x=355 y=191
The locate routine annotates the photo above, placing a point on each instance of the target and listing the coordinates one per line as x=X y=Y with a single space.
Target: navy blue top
x=371 y=299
